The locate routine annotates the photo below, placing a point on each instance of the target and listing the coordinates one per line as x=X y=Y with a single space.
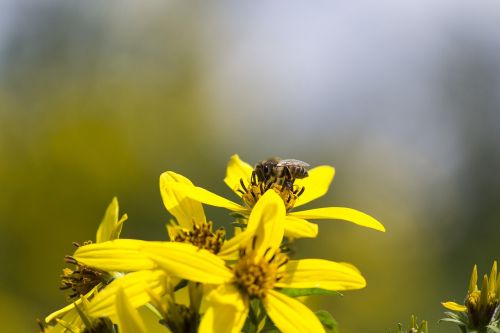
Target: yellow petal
x=135 y=285
x=71 y=322
x=227 y=311
x=473 y=280
x=188 y=262
x=316 y=184
x=268 y=219
x=61 y=312
x=290 y=315
x=231 y=247
x=492 y=282
x=185 y=210
x=483 y=300
x=172 y=230
x=129 y=320
x=340 y=213
x=454 y=306
x=209 y=198
x=110 y=226
x=119 y=255
x=300 y=228
x=237 y=170
x=319 y=273
x=70 y=307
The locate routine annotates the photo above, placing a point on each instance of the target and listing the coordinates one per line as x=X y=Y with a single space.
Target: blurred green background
x=98 y=98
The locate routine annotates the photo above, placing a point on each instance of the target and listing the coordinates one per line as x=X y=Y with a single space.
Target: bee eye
x=266 y=168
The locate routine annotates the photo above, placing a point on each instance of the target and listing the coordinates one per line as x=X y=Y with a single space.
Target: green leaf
x=458 y=316
x=297 y=292
x=327 y=320
x=451 y=320
x=494 y=328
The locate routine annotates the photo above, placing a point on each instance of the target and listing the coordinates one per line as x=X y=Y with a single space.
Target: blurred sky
x=403 y=98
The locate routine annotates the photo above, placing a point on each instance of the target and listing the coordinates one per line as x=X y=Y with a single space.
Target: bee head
x=264 y=169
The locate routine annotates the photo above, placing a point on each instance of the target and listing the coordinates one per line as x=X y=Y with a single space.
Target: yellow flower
x=68 y=318
x=79 y=321
x=481 y=306
x=109 y=229
x=93 y=316
x=261 y=272
x=191 y=225
x=239 y=179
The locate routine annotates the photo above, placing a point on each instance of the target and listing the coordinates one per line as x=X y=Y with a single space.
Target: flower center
x=82 y=279
x=256 y=278
x=256 y=188
x=181 y=319
x=203 y=237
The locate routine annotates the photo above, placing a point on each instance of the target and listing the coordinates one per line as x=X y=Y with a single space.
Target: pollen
x=255 y=278
x=256 y=188
x=82 y=279
x=203 y=237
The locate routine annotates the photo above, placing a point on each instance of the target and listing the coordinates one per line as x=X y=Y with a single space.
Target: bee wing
x=294 y=162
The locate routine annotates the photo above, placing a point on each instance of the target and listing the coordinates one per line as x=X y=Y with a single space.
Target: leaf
x=453 y=315
x=327 y=320
x=298 y=292
x=451 y=320
x=494 y=328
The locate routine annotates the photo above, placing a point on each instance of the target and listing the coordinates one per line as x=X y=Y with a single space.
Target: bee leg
x=287 y=185
x=253 y=195
x=268 y=185
x=243 y=185
x=253 y=179
x=284 y=184
x=301 y=191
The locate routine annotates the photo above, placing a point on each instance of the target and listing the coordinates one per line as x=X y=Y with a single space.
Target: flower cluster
x=201 y=280
x=481 y=311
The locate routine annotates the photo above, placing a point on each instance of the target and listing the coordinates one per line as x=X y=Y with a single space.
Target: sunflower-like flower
x=481 y=310
x=191 y=225
x=260 y=273
x=82 y=320
x=83 y=280
x=241 y=179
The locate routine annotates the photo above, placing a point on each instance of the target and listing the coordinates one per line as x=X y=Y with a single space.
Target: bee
x=286 y=170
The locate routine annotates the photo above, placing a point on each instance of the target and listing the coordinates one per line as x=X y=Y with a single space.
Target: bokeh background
x=97 y=98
